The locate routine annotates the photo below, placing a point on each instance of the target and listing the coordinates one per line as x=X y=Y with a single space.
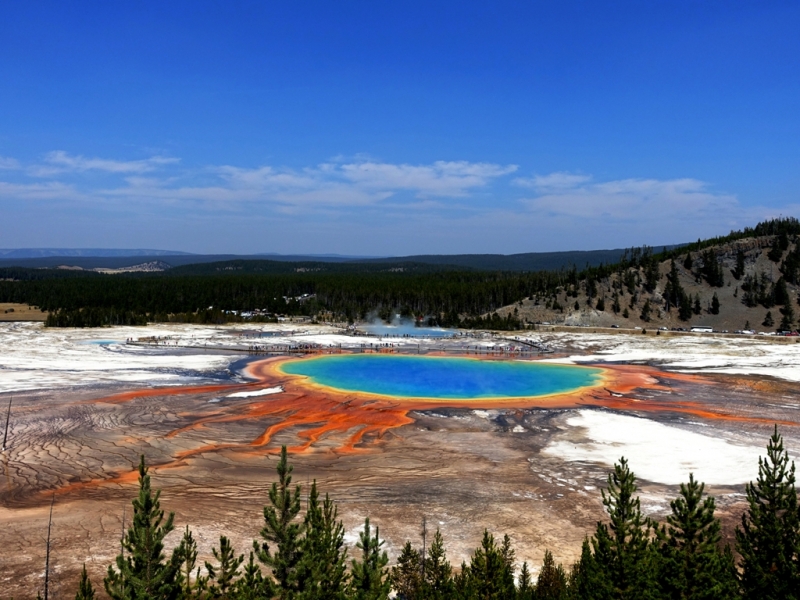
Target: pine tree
x=85 y=589
x=787 y=321
x=780 y=293
x=222 y=577
x=369 y=575
x=252 y=585
x=489 y=571
x=715 y=304
x=587 y=581
x=525 y=587
x=406 y=577
x=438 y=583
x=621 y=548
x=776 y=252
x=143 y=574
x=552 y=581
x=189 y=555
x=739 y=270
x=768 y=320
x=322 y=572
x=769 y=539
x=692 y=565
x=281 y=530
x=645 y=315
x=698 y=308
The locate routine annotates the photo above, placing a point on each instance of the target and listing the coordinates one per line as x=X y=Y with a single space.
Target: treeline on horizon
x=629 y=556
x=215 y=293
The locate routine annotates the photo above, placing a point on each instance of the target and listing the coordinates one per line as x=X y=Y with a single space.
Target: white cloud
x=642 y=201
x=439 y=179
x=554 y=181
x=9 y=164
x=58 y=162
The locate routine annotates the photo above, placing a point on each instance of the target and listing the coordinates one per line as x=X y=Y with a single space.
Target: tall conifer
x=692 y=564
x=145 y=574
x=369 y=575
x=621 y=548
x=282 y=531
x=406 y=576
x=85 y=589
x=322 y=570
x=552 y=581
x=222 y=576
x=769 y=539
x=438 y=582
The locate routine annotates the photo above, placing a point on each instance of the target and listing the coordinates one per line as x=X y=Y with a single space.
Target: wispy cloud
x=9 y=164
x=59 y=162
x=443 y=206
x=629 y=200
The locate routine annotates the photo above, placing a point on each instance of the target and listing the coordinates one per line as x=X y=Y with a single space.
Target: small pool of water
x=408 y=330
x=441 y=377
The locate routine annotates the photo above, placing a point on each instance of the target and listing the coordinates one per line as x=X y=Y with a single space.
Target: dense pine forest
x=628 y=556
x=449 y=296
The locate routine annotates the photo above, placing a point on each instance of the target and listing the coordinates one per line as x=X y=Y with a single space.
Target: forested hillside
x=745 y=280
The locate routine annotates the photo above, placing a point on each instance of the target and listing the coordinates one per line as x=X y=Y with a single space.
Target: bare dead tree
x=47 y=555
x=8 y=420
x=424 y=543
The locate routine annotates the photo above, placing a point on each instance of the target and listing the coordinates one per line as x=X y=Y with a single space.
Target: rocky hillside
x=749 y=283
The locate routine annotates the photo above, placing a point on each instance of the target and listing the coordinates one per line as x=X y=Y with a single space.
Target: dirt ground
x=10 y=311
x=463 y=470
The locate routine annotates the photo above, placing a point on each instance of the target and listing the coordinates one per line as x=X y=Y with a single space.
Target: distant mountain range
x=84 y=252
x=102 y=258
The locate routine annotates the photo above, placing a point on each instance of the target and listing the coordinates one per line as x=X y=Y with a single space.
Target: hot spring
x=441 y=377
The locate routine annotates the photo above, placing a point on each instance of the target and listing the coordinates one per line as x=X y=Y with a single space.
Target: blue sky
x=379 y=128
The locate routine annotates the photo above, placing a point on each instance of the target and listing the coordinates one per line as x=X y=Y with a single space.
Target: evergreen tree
x=489 y=571
x=769 y=538
x=739 y=270
x=252 y=585
x=645 y=316
x=525 y=587
x=768 y=320
x=715 y=304
x=369 y=575
x=587 y=581
x=85 y=589
x=698 y=308
x=189 y=556
x=685 y=308
x=281 y=530
x=621 y=548
x=462 y=584
x=615 y=306
x=222 y=577
x=323 y=571
x=780 y=294
x=406 y=577
x=688 y=263
x=776 y=252
x=145 y=574
x=692 y=565
x=438 y=583
x=787 y=321
x=552 y=581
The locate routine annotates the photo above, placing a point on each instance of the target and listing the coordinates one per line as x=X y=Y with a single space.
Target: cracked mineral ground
x=210 y=418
